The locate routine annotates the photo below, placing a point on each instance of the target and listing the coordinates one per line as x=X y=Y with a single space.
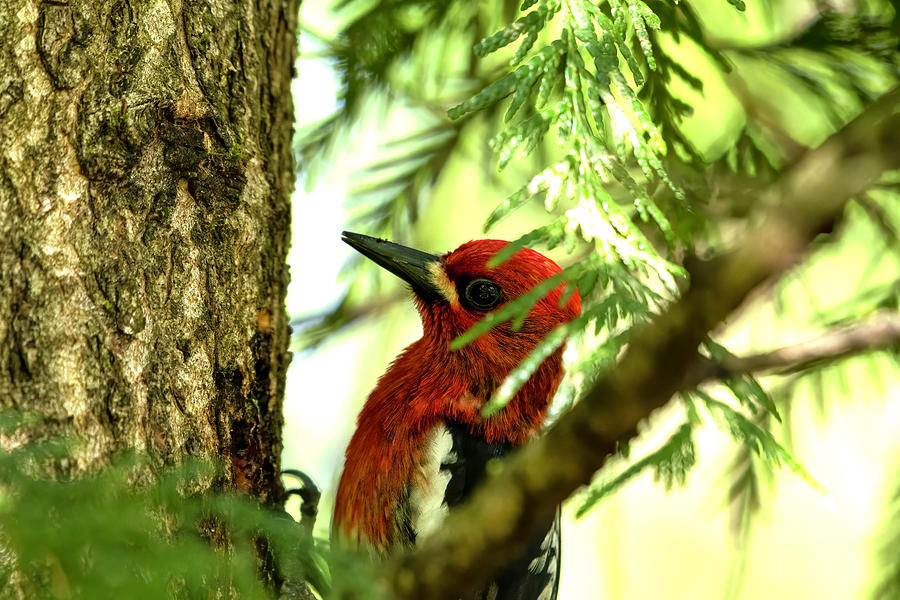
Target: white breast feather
x=426 y=498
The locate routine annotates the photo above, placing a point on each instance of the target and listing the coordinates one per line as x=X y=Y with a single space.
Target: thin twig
x=877 y=334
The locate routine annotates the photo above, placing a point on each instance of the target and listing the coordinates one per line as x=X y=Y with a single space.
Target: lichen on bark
x=145 y=175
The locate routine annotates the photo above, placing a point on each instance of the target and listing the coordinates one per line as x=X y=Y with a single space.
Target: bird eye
x=482 y=294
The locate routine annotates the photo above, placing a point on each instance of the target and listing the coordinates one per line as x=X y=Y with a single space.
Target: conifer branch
x=857 y=338
x=522 y=494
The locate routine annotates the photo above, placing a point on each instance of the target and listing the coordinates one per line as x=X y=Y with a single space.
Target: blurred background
x=380 y=156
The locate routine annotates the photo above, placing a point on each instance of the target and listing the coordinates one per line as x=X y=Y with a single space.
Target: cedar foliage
x=591 y=97
x=589 y=101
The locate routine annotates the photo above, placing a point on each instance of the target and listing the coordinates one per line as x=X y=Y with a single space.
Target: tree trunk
x=145 y=176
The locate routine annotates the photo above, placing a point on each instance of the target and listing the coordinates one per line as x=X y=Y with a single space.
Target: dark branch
x=808 y=199
x=878 y=334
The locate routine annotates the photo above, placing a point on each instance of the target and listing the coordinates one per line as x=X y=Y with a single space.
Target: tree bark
x=145 y=176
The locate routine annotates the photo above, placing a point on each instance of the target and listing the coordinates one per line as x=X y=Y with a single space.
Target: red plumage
x=428 y=384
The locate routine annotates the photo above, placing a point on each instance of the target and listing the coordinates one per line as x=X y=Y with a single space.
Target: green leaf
x=549 y=235
x=529 y=25
x=518 y=376
x=745 y=387
x=759 y=440
x=672 y=461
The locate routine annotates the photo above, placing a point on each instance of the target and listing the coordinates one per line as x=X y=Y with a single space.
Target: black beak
x=408 y=264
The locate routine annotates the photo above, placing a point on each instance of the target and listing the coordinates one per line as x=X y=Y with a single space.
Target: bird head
x=456 y=290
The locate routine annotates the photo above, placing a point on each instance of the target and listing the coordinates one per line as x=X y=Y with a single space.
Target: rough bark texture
x=145 y=175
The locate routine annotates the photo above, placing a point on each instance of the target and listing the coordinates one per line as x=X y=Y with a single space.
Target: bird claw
x=309 y=495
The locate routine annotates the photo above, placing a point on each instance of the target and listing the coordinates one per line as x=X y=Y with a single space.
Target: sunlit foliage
x=130 y=532
x=592 y=98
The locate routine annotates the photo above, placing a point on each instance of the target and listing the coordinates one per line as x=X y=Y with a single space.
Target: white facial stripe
x=443 y=283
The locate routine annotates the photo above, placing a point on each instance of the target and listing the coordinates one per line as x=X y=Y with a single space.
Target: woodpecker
x=421 y=445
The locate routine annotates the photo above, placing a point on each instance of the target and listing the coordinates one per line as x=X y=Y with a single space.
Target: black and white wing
x=456 y=462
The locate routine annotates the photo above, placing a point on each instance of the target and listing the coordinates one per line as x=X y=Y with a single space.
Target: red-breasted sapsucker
x=421 y=445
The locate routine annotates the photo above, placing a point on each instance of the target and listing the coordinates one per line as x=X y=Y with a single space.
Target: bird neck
x=428 y=384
